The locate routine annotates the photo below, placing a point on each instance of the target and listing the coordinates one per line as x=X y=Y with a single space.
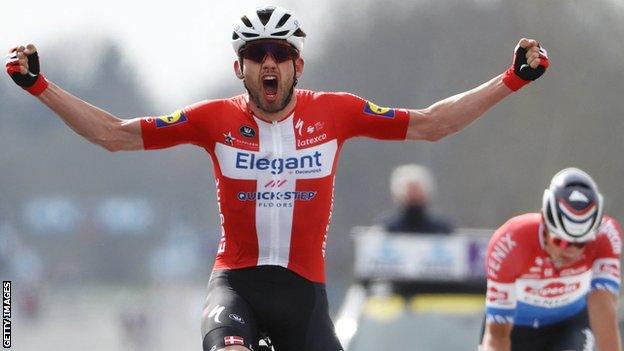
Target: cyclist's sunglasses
x=564 y=244
x=257 y=51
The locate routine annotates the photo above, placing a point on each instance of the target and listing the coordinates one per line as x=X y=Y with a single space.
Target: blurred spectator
x=29 y=277
x=23 y=265
x=135 y=328
x=412 y=188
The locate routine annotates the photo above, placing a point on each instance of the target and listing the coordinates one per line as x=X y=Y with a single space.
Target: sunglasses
x=256 y=52
x=565 y=244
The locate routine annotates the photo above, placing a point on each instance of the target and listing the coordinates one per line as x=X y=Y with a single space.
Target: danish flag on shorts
x=233 y=340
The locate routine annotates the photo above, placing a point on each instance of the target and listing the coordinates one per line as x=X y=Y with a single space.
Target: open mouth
x=269 y=82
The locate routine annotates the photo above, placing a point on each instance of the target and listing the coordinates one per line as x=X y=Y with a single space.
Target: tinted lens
x=255 y=53
x=284 y=53
x=564 y=244
x=280 y=52
x=579 y=245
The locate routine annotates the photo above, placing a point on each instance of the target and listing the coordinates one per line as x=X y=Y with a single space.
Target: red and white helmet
x=572 y=206
x=268 y=22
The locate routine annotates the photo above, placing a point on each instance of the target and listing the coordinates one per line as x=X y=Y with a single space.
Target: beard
x=267 y=107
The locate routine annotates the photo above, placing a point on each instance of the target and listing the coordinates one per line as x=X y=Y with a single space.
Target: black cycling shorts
x=245 y=304
x=572 y=334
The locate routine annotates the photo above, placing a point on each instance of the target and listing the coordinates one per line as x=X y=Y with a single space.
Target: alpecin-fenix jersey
x=275 y=180
x=526 y=288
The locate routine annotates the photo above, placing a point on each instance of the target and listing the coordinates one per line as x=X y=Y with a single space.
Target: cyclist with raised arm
x=274 y=152
x=553 y=277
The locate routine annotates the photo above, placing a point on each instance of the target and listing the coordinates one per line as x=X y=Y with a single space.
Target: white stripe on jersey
x=275 y=168
x=276 y=141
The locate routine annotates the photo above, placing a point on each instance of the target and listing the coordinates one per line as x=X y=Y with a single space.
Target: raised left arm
x=452 y=114
x=602 y=308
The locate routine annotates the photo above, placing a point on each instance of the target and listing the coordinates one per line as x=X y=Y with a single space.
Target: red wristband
x=512 y=81
x=40 y=85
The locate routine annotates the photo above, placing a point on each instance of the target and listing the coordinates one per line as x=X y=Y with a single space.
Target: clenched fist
x=529 y=63
x=22 y=64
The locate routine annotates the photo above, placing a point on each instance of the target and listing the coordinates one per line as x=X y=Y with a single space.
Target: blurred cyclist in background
x=553 y=278
x=275 y=152
x=412 y=188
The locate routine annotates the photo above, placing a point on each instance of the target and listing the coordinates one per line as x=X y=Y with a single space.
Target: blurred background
x=109 y=250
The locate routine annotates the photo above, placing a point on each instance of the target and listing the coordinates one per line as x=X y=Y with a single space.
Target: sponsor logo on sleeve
x=494 y=295
x=500 y=295
x=173 y=119
x=612 y=269
x=372 y=109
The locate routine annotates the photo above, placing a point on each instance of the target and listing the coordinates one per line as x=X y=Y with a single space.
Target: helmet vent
x=283 y=20
x=250 y=35
x=579 y=184
x=247 y=21
x=265 y=15
x=235 y=36
x=279 y=34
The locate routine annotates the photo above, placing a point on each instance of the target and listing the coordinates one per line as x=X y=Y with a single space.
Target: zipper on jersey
x=276 y=135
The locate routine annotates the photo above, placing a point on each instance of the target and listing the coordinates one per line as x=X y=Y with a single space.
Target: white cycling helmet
x=572 y=206
x=268 y=22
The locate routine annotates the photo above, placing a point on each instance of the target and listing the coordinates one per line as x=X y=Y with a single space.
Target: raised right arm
x=91 y=122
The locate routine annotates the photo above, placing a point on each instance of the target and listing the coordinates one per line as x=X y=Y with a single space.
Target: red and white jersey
x=525 y=287
x=275 y=179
